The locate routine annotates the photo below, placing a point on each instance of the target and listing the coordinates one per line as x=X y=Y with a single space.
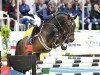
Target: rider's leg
x=34 y=31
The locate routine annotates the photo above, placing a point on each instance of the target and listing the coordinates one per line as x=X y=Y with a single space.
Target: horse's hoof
x=63 y=47
x=54 y=47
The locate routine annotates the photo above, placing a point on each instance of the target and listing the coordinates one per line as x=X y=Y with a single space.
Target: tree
x=5 y=33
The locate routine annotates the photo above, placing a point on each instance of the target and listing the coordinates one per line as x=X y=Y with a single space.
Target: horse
x=43 y=42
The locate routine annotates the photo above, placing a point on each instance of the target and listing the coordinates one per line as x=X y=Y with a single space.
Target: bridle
x=58 y=22
x=68 y=34
x=41 y=40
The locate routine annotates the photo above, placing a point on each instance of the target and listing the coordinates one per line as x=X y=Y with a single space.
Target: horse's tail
x=18 y=47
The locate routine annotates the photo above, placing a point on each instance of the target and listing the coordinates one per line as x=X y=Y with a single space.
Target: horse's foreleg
x=56 y=38
x=64 y=44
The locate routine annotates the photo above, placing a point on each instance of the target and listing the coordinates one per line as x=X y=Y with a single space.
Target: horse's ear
x=68 y=16
x=75 y=17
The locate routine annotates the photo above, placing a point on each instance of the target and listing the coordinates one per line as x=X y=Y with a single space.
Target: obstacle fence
x=58 y=64
x=73 y=74
x=68 y=65
x=45 y=61
x=75 y=57
x=23 y=63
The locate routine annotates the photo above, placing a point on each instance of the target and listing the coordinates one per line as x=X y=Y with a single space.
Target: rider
x=46 y=14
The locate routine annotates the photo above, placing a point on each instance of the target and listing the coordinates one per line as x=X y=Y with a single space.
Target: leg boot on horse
x=56 y=39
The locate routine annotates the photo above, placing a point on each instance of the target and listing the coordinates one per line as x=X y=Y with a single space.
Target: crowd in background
x=71 y=7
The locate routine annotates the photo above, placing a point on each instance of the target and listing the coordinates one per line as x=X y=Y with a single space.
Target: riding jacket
x=44 y=14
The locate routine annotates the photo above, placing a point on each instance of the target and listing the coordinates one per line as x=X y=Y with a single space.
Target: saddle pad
x=29 y=48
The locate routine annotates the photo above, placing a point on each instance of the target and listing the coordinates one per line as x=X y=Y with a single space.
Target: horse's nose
x=71 y=38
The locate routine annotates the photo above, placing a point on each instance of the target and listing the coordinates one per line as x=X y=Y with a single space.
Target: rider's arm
x=46 y=16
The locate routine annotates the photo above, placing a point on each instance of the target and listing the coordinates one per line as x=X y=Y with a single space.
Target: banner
x=86 y=42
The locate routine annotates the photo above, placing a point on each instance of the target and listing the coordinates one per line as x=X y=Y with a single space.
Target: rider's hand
x=54 y=14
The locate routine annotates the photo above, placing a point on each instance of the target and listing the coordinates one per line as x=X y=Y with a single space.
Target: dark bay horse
x=43 y=42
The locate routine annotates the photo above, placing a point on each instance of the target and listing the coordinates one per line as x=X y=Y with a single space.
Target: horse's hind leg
x=20 y=48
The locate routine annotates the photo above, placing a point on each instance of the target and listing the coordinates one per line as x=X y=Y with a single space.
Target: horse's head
x=68 y=25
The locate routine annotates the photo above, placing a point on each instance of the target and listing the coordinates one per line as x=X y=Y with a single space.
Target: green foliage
x=5 y=33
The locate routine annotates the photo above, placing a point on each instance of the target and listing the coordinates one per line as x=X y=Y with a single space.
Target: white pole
x=17 y=27
x=82 y=14
x=0 y=4
x=1 y=15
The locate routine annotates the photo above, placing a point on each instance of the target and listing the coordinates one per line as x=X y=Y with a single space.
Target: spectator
x=38 y=5
x=72 y=2
x=48 y=12
x=75 y=5
x=70 y=10
x=95 y=16
x=27 y=20
x=58 y=2
x=95 y=1
x=46 y=2
x=88 y=5
x=63 y=7
x=86 y=15
x=3 y=3
x=24 y=8
x=7 y=6
x=12 y=10
x=99 y=3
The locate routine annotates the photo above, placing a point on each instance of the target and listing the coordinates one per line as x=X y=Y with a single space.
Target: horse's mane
x=61 y=13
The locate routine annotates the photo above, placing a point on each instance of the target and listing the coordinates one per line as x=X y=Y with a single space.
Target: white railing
x=16 y=26
x=4 y=18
